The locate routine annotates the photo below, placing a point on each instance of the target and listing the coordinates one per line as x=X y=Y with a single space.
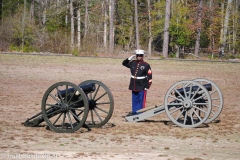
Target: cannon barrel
x=87 y=88
x=194 y=88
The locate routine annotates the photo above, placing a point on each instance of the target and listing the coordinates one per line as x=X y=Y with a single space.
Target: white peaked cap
x=139 y=51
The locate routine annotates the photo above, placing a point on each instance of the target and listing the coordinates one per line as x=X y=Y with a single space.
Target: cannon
x=187 y=103
x=66 y=107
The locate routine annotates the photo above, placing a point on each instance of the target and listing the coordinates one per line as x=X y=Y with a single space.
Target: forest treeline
x=168 y=28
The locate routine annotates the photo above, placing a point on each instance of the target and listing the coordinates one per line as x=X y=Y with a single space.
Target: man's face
x=139 y=57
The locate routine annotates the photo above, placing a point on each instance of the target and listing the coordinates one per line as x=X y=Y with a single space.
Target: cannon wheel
x=217 y=99
x=101 y=104
x=189 y=109
x=64 y=114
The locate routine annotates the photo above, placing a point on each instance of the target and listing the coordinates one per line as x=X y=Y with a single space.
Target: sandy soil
x=25 y=78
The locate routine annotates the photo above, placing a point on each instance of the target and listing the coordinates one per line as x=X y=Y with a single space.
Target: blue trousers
x=138 y=100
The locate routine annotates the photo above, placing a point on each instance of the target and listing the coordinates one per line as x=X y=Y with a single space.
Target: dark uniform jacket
x=141 y=74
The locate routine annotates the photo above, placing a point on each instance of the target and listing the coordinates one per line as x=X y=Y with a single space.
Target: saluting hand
x=131 y=57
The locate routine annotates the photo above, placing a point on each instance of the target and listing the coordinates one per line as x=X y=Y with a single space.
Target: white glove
x=131 y=57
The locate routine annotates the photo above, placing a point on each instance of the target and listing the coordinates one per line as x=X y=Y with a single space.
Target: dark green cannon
x=66 y=107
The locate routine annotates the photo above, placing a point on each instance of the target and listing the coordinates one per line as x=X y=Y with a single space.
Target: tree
x=150 y=39
x=23 y=23
x=236 y=28
x=199 y=21
x=32 y=11
x=44 y=5
x=124 y=25
x=1 y=10
x=180 y=30
x=111 y=31
x=72 y=24
x=166 y=29
x=86 y=19
x=79 y=28
x=105 y=2
x=226 y=21
x=136 y=23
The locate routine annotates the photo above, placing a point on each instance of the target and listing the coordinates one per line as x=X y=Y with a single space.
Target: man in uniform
x=140 y=81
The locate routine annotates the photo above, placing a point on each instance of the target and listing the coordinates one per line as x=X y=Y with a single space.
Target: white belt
x=139 y=77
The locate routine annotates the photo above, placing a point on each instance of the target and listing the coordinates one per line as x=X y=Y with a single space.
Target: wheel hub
x=187 y=104
x=92 y=104
x=64 y=107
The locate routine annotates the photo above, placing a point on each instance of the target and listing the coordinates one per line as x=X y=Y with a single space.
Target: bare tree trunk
x=177 y=21
x=235 y=26
x=199 y=21
x=45 y=4
x=57 y=5
x=159 y=16
x=32 y=12
x=66 y=16
x=222 y=19
x=72 y=24
x=1 y=5
x=23 y=23
x=211 y=34
x=136 y=24
x=44 y=16
x=86 y=19
x=105 y=2
x=166 y=27
x=149 y=29
x=79 y=28
x=226 y=21
x=111 y=31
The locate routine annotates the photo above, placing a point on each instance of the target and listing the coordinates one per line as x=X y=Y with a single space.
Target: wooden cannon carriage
x=187 y=104
x=67 y=107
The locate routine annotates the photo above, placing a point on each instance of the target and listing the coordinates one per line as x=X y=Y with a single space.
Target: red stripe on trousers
x=144 y=98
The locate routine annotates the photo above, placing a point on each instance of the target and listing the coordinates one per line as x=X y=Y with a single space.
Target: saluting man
x=140 y=81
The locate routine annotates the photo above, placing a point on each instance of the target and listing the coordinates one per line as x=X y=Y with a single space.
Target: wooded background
x=168 y=28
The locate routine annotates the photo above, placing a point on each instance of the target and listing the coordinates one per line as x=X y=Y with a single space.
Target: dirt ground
x=25 y=78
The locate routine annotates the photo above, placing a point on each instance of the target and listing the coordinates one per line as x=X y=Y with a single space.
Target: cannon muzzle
x=87 y=88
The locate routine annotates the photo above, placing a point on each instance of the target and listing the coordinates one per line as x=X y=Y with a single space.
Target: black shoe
x=129 y=114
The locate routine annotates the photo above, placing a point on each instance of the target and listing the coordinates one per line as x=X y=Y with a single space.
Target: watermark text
x=27 y=156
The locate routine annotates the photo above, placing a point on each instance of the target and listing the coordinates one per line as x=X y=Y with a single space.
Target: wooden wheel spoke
x=185 y=118
x=93 y=122
x=177 y=109
x=96 y=91
x=197 y=114
x=53 y=97
x=101 y=110
x=70 y=120
x=54 y=112
x=98 y=115
x=179 y=115
x=176 y=98
x=101 y=96
x=57 y=118
x=199 y=109
x=64 y=117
